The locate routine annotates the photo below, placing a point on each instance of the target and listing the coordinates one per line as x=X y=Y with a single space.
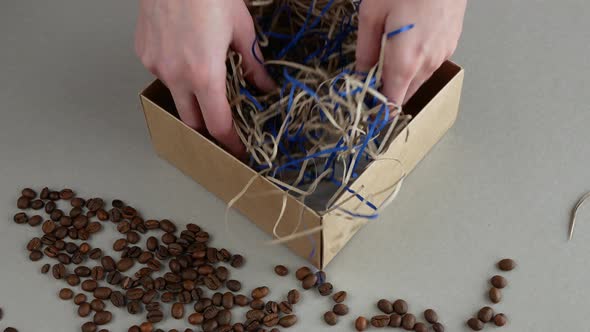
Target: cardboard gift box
x=434 y=109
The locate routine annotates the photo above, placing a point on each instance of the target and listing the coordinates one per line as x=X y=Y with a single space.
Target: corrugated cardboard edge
x=425 y=130
x=225 y=176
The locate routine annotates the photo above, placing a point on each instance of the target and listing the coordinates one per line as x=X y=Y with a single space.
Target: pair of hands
x=185 y=43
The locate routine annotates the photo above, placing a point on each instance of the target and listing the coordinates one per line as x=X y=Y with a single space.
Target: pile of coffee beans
x=396 y=314
x=178 y=267
x=486 y=314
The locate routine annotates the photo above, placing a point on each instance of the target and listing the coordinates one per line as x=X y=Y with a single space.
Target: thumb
x=245 y=43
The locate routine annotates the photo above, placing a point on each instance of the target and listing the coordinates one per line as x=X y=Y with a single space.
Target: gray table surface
x=501 y=183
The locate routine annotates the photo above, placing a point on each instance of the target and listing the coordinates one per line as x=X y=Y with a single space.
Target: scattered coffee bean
x=395 y=320
x=97 y=305
x=103 y=317
x=400 y=307
x=45 y=268
x=288 y=321
x=408 y=322
x=260 y=292
x=499 y=281
x=438 y=327
x=500 y=320
x=325 y=289
x=380 y=320
x=331 y=318
x=66 y=294
x=339 y=297
x=485 y=314
x=281 y=270
x=302 y=272
x=340 y=309
x=431 y=316
x=84 y=309
x=420 y=327
x=177 y=310
x=23 y=202
x=195 y=319
x=89 y=327
x=507 y=264
x=385 y=306
x=361 y=324
x=80 y=298
x=309 y=281
x=495 y=295
x=475 y=324
x=293 y=296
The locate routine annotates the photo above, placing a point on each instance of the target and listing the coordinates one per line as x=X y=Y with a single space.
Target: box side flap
x=225 y=176
x=376 y=183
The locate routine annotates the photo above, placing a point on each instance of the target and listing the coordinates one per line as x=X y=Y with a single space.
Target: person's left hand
x=412 y=56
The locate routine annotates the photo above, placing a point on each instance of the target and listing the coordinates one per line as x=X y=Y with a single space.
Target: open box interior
x=433 y=107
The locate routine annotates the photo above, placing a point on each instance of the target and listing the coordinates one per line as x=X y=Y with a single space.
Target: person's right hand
x=185 y=43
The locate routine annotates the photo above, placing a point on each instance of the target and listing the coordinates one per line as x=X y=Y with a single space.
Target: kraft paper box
x=434 y=107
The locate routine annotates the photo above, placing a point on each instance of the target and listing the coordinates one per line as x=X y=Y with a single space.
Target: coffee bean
x=507 y=264
x=325 y=289
x=168 y=238
x=64 y=258
x=281 y=270
x=257 y=304
x=54 y=195
x=56 y=214
x=71 y=247
x=35 y=255
x=241 y=300
x=89 y=327
x=35 y=220
x=285 y=307
x=339 y=297
x=177 y=310
x=485 y=314
x=309 y=281
x=420 y=327
x=134 y=294
x=94 y=204
x=66 y=194
x=385 y=306
x=108 y=263
x=37 y=204
x=205 y=269
x=34 y=244
x=152 y=224
x=293 y=296
x=233 y=285
x=168 y=297
x=44 y=193
x=475 y=324
x=97 y=305
x=97 y=273
x=499 y=281
x=89 y=285
x=84 y=309
x=237 y=261
x=438 y=327
x=103 y=317
x=227 y=300
x=270 y=320
x=134 y=307
x=431 y=316
x=49 y=207
x=45 y=268
x=120 y=244
x=58 y=271
x=288 y=321
x=380 y=320
x=82 y=271
x=361 y=324
x=80 y=298
x=66 y=294
x=133 y=237
x=151 y=294
x=196 y=319
x=500 y=320
x=408 y=322
x=23 y=203
x=29 y=193
x=260 y=292
x=134 y=328
x=340 y=309
x=395 y=320
x=302 y=272
x=495 y=295
x=331 y=318
x=210 y=325
x=400 y=307
x=21 y=218
x=224 y=317
x=271 y=307
x=95 y=253
x=93 y=227
x=102 y=293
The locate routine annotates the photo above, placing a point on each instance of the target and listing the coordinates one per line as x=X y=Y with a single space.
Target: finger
x=188 y=108
x=216 y=111
x=244 y=42
x=400 y=65
x=368 y=45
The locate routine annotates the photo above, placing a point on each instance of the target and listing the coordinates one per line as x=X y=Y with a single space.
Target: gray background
x=501 y=183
